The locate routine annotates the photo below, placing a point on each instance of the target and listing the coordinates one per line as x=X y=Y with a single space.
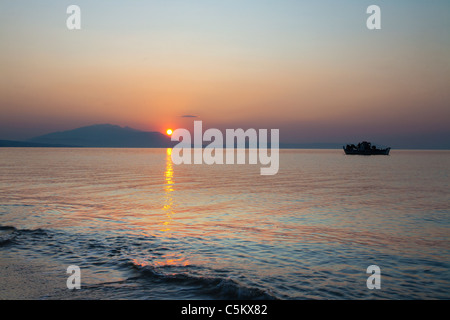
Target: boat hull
x=371 y=152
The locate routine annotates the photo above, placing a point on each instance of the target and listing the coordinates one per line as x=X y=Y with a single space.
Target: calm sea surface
x=140 y=227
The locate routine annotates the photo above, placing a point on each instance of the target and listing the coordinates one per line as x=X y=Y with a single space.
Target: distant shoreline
x=25 y=144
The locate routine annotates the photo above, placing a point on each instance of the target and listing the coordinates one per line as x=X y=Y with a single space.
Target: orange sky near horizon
x=290 y=72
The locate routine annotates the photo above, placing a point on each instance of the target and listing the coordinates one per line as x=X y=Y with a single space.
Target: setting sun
x=169 y=131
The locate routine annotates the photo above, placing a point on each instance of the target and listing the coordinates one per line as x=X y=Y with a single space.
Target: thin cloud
x=189 y=116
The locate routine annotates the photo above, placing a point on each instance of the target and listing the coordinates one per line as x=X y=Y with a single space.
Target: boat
x=365 y=148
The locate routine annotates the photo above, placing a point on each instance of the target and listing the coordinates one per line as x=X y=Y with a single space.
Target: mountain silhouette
x=106 y=136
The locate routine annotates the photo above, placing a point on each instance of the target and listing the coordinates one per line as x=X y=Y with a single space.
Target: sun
x=169 y=132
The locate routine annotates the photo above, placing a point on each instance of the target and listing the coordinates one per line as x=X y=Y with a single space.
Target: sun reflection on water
x=168 y=189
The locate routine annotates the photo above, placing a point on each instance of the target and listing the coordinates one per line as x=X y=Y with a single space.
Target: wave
x=7 y=235
x=207 y=286
x=121 y=253
x=10 y=234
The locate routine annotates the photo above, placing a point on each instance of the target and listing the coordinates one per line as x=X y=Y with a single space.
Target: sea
x=140 y=227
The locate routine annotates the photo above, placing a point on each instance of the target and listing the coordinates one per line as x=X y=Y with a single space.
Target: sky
x=309 y=68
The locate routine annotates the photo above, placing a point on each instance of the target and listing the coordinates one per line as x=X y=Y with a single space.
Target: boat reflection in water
x=365 y=148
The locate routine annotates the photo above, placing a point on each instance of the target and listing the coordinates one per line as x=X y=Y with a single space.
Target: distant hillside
x=106 y=136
